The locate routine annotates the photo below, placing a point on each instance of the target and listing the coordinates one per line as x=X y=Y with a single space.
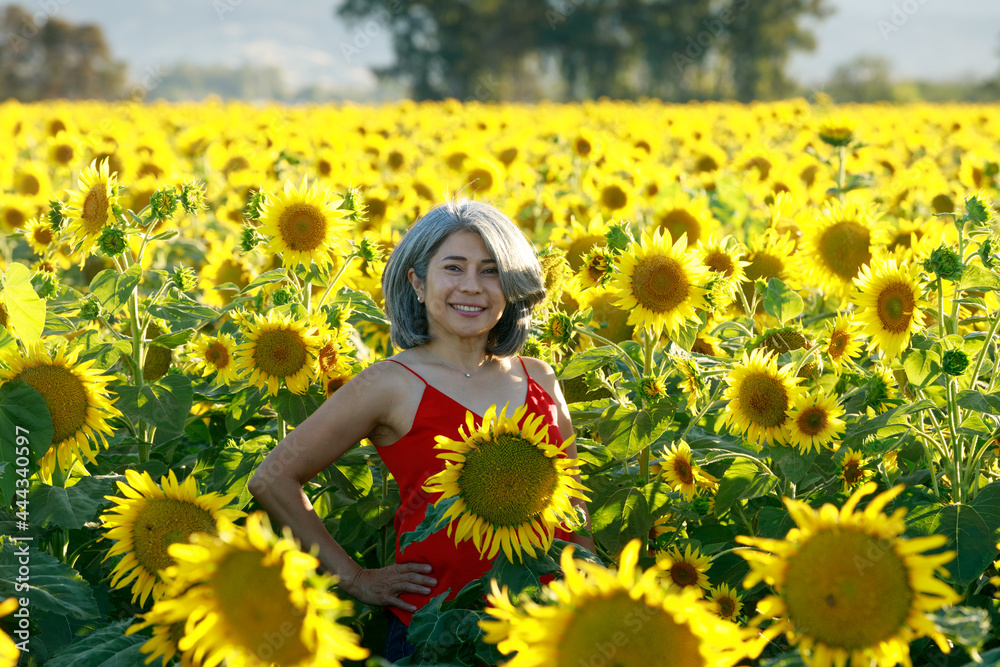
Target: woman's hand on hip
x=384 y=585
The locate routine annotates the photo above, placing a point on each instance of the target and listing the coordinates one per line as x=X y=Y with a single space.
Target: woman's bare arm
x=367 y=406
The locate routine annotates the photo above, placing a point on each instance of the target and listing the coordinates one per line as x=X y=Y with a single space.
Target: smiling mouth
x=467 y=309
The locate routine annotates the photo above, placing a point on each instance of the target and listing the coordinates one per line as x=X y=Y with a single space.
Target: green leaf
x=165 y=403
x=246 y=403
x=792 y=463
x=53 y=587
x=296 y=408
x=105 y=647
x=519 y=576
x=989 y=659
x=774 y=522
x=626 y=431
x=432 y=523
x=363 y=309
x=743 y=479
x=887 y=423
x=978 y=279
x=25 y=309
x=973 y=400
x=971 y=538
x=266 y=278
x=969 y=627
x=23 y=414
x=781 y=302
x=987 y=504
x=623 y=516
x=974 y=425
x=377 y=511
x=183 y=313
x=236 y=465
x=921 y=366
x=71 y=506
x=113 y=289
x=687 y=335
x=588 y=360
x=175 y=339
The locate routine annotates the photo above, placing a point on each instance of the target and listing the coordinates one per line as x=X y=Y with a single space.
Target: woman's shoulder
x=541 y=372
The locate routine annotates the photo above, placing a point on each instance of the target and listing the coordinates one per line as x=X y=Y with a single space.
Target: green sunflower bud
x=249 y=238
x=183 y=278
x=618 y=237
x=370 y=250
x=283 y=295
x=946 y=264
x=558 y=330
x=193 y=197
x=554 y=269
x=987 y=252
x=652 y=387
x=46 y=284
x=112 y=241
x=254 y=201
x=90 y=308
x=354 y=202
x=56 y=218
x=954 y=362
x=702 y=505
x=977 y=210
x=533 y=347
x=163 y=203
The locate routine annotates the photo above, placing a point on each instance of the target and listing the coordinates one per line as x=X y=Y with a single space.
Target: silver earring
x=420 y=299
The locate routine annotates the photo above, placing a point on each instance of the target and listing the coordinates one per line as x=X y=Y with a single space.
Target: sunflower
x=660 y=285
x=165 y=640
x=223 y=265
x=217 y=354
x=814 y=422
x=150 y=518
x=842 y=240
x=890 y=305
x=724 y=258
x=685 y=570
x=679 y=470
x=334 y=355
x=581 y=239
x=681 y=214
x=90 y=208
x=9 y=653
x=760 y=396
x=625 y=615
x=842 y=342
x=278 y=348
x=597 y=268
x=76 y=396
x=728 y=603
x=39 y=235
x=852 y=469
x=512 y=486
x=770 y=255
x=848 y=585
x=286 y=617
x=881 y=392
x=303 y=224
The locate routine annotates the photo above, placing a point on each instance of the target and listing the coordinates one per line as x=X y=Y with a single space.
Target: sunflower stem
x=982 y=351
x=930 y=460
x=940 y=313
x=627 y=359
x=282 y=429
x=841 y=171
x=307 y=296
x=956 y=443
x=333 y=281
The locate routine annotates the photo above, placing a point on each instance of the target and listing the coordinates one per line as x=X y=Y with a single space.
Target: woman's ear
x=418 y=285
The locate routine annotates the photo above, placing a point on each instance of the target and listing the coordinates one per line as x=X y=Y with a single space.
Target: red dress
x=413 y=458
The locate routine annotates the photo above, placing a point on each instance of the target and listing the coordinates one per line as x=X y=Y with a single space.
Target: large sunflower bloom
x=660 y=285
x=760 y=396
x=90 y=208
x=76 y=396
x=149 y=519
x=842 y=240
x=512 y=486
x=814 y=422
x=279 y=348
x=849 y=586
x=890 y=305
x=626 y=615
x=304 y=224
x=251 y=599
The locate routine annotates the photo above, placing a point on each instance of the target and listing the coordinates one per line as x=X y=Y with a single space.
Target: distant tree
x=864 y=78
x=194 y=82
x=55 y=60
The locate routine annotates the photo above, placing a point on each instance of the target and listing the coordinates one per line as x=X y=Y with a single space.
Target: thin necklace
x=468 y=375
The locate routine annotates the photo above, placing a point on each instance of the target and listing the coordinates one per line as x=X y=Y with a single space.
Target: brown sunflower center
x=65 y=397
x=895 y=307
x=763 y=399
x=328 y=356
x=679 y=221
x=162 y=522
x=507 y=480
x=847 y=589
x=682 y=470
x=659 y=283
x=720 y=262
x=29 y=185
x=727 y=606
x=614 y=197
x=302 y=227
x=480 y=179
x=638 y=635
x=261 y=617
x=281 y=353
x=42 y=235
x=217 y=355
x=580 y=247
x=63 y=153
x=597 y=268
x=851 y=472
x=684 y=574
x=845 y=247
x=95 y=208
x=812 y=421
x=838 y=343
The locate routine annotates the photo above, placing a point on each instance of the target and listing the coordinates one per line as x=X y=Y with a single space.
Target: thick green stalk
x=986 y=346
x=956 y=444
x=333 y=281
x=841 y=172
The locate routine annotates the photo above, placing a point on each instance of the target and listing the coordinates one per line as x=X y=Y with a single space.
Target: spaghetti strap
x=411 y=370
x=523 y=367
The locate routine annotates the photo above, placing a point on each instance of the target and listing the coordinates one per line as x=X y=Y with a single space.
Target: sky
x=935 y=40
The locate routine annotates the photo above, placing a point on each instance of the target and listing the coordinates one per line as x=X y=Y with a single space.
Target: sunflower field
x=775 y=325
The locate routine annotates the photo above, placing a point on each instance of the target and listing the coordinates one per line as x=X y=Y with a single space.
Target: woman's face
x=462 y=293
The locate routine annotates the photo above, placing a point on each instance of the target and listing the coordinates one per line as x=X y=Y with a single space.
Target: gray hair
x=520 y=273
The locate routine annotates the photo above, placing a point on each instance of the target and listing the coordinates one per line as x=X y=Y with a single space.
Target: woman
x=459 y=290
